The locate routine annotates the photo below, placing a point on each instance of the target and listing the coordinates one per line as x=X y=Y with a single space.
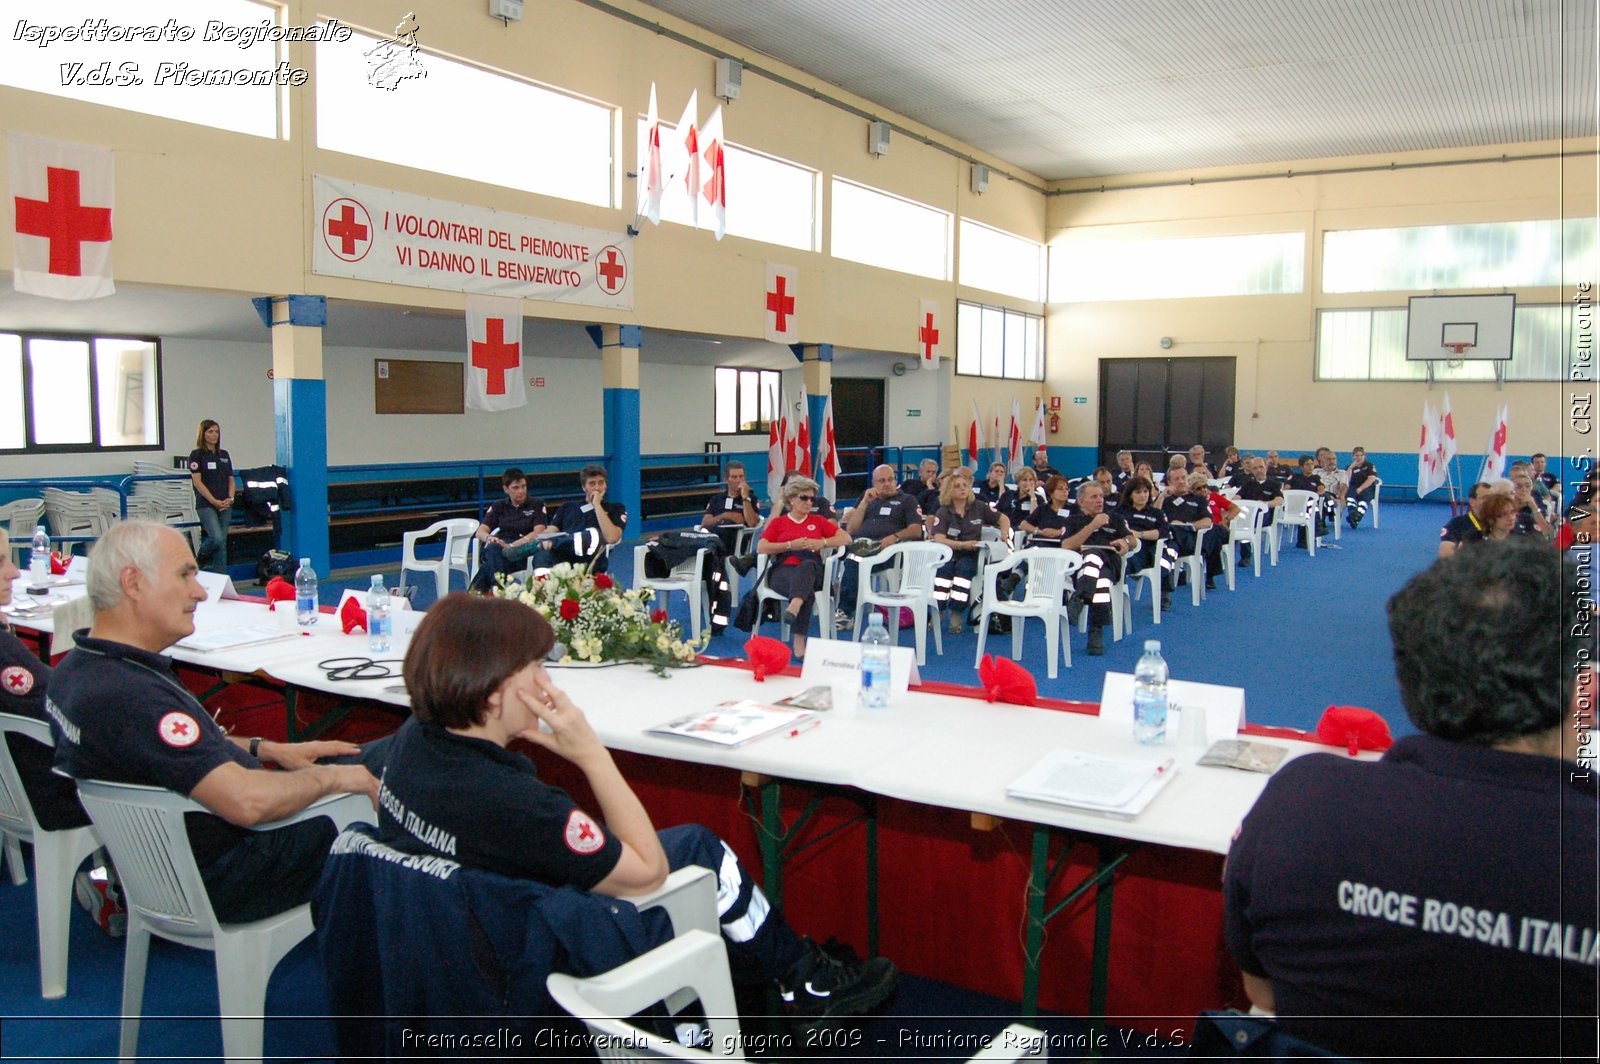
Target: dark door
x=1158 y=406
x=858 y=404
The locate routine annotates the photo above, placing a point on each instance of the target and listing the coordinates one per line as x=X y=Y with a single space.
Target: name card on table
x=831 y=660
x=1223 y=706
x=78 y=569
x=217 y=585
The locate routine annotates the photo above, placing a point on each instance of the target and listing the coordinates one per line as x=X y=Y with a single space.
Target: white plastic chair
x=20 y=517
x=1151 y=575
x=460 y=553
x=686 y=577
x=143 y=828
x=1248 y=527
x=1049 y=569
x=914 y=590
x=1194 y=564
x=1121 y=608
x=831 y=557
x=1372 y=503
x=56 y=856
x=1299 y=510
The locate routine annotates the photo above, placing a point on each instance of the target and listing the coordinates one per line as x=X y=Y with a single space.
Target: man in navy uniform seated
x=587 y=527
x=886 y=515
x=120 y=714
x=508 y=530
x=728 y=511
x=1442 y=900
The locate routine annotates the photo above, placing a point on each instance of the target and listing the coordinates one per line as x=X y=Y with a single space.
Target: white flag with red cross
x=828 y=461
x=650 y=190
x=975 y=440
x=928 y=329
x=1430 y=448
x=782 y=325
x=494 y=354
x=777 y=444
x=800 y=437
x=1494 y=461
x=686 y=155
x=715 y=189
x=62 y=194
x=1448 y=423
x=1014 y=438
x=1037 y=436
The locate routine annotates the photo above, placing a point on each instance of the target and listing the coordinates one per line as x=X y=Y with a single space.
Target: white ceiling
x=1076 y=88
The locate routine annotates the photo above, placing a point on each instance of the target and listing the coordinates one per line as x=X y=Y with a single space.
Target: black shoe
x=1355 y=520
x=1166 y=601
x=1097 y=642
x=999 y=624
x=743 y=563
x=1211 y=582
x=1075 y=605
x=791 y=618
x=829 y=983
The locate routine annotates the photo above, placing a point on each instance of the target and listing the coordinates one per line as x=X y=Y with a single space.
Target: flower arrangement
x=597 y=621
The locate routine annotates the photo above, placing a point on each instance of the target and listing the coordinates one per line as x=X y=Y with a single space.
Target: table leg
x=1111 y=853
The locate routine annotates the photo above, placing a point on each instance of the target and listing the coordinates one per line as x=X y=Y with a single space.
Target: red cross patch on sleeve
x=583 y=834
x=194 y=467
x=178 y=729
x=16 y=681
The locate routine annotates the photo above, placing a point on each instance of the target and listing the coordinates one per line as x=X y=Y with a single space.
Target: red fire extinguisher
x=1055 y=424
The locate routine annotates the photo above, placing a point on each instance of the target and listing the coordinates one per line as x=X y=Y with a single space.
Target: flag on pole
x=1037 y=437
x=802 y=436
x=650 y=191
x=494 y=353
x=1494 y=461
x=1014 y=438
x=715 y=190
x=1430 y=448
x=999 y=438
x=688 y=155
x=828 y=462
x=777 y=437
x=975 y=440
x=63 y=196
x=1448 y=425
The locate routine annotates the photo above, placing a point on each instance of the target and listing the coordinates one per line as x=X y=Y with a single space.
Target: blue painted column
x=300 y=420
x=619 y=379
x=816 y=371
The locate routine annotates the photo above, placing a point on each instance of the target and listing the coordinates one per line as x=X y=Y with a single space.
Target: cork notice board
x=405 y=386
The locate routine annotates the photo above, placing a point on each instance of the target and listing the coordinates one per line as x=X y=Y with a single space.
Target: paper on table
x=229 y=638
x=1106 y=784
x=734 y=723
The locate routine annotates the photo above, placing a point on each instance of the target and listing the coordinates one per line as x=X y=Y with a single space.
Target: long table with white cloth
x=941 y=750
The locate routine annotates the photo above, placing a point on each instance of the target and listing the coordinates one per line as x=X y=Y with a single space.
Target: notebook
x=1113 y=785
x=736 y=723
x=232 y=638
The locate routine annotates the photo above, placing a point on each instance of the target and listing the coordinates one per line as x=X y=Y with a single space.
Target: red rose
x=604 y=582
x=569 y=609
x=658 y=616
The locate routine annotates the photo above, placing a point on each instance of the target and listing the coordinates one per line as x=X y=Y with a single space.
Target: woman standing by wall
x=212 y=470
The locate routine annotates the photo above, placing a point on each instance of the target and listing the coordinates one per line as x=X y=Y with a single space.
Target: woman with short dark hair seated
x=795 y=540
x=452 y=789
x=1148 y=524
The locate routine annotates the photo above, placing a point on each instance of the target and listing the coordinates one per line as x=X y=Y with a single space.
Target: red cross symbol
x=16 y=679
x=585 y=832
x=612 y=270
x=1500 y=438
x=929 y=336
x=495 y=357
x=64 y=221
x=715 y=193
x=347 y=230
x=781 y=304
x=178 y=728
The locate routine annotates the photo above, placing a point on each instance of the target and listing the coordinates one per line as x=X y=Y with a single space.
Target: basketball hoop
x=1457 y=348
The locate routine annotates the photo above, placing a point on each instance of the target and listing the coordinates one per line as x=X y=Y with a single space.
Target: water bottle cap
x=306 y=562
x=377 y=579
x=1152 y=646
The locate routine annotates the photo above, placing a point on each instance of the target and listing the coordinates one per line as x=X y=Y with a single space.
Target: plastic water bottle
x=378 y=616
x=1150 y=696
x=875 y=664
x=39 y=558
x=305 y=593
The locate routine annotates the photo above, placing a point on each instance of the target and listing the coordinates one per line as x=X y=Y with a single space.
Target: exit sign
x=1080 y=400
x=913 y=412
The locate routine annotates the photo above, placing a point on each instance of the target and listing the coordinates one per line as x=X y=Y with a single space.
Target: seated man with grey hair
x=1442 y=901
x=120 y=714
x=886 y=515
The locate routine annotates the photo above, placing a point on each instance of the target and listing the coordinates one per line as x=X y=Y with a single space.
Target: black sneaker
x=1097 y=642
x=1074 y=607
x=1166 y=601
x=743 y=563
x=829 y=983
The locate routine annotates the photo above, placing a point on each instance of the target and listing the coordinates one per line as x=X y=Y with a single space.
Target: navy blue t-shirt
x=23 y=681
x=478 y=803
x=885 y=517
x=1445 y=881
x=119 y=714
x=574 y=516
x=514 y=522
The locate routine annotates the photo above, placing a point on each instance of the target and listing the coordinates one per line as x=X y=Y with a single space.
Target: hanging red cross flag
x=687 y=155
x=928 y=330
x=494 y=354
x=63 y=197
x=716 y=183
x=650 y=189
x=782 y=281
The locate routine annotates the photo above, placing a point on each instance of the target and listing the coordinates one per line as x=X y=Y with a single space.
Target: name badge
x=587 y=508
x=211 y=465
x=885 y=511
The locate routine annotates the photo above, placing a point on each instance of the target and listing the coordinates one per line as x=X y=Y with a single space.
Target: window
x=1370 y=345
x=1001 y=262
x=79 y=393
x=1434 y=257
x=543 y=141
x=746 y=400
x=878 y=229
x=1094 y=265
x=768 y=199
x=230 y=81
x=995 y=342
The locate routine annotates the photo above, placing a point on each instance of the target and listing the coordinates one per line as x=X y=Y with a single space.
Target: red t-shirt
x=785 y=529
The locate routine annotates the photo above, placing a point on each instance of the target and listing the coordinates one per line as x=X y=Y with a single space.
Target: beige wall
x=1279 y=404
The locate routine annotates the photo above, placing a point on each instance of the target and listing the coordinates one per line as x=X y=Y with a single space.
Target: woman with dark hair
x=1047 y=525
x=211 y=468
x=1149 y=526
x=451 y=788
x=798 y=537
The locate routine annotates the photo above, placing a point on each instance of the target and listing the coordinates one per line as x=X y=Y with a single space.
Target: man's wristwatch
x=255 y=748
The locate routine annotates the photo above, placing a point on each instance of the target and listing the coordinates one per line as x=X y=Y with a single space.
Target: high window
x=995 y=342
x=79 y=393
x=1001 y=262
x=1370 y=345
x=1422 y=258
x=878 y=229
x=1089 y=265
x=745 y=400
